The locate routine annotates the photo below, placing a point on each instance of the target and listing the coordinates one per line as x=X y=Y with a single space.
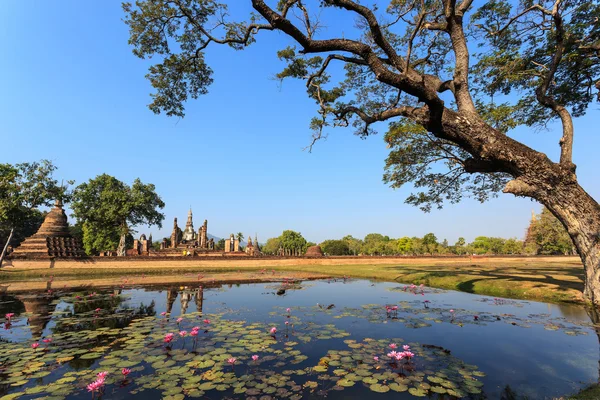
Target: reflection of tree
x=84 y=317
x=10 y=304
x=594 y=314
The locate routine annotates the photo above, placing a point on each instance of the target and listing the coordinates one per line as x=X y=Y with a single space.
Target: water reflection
x=525 y=348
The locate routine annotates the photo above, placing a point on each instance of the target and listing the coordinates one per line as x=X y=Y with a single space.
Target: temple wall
x=263 y=262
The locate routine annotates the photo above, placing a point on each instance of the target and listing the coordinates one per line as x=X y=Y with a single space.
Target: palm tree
x=239 y=237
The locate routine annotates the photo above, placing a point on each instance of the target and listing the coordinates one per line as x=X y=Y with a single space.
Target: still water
x=341 y=339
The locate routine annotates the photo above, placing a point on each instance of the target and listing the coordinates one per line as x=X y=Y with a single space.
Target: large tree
x=449 y=78
x=24 y=188
x=109 y=209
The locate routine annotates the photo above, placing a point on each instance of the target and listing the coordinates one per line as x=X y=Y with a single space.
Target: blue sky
x=72 y=92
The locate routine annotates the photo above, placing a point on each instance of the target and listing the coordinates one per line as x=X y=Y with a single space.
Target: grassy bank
x=548 y=279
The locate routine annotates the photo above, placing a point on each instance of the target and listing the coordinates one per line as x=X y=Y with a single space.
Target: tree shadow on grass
x=525 y=278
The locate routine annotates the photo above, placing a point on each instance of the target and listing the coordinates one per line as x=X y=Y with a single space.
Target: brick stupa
x=53 y=239
x=314 y=251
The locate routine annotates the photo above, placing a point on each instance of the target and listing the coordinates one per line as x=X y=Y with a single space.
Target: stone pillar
x=136 y=246
x=204 y=235
x=174 y=235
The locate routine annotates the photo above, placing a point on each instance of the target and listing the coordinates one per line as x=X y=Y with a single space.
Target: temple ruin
x=53 y=238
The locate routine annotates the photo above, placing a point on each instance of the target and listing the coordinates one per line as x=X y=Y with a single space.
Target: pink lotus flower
x=287 y=322
x=451 y=311
x=98 y=309
x=206 y=321
x=196 y=328
x=179 y=320
x=273 y=330
x=78 y=297
x=96 y=385
x=163 y=313
x=35 y=345
x=169 y=338
x=102 y=375
x=125 y=372
x=476 y=317
x=183 y=333
x=194 y=333
x=376 y=358
x=288 y=310
x=406 y=347
x=47 y=340
x=254 y=357
x=393 y=345
x=231 y=360
x=9 y=315
x=394 y=308
x=408 y=354
x=392 y=354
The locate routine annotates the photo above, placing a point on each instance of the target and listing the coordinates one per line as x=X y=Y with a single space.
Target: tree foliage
x=395 y=61
x=335 y=247
x=548 y=236
x=109 y=209
x=293 y=240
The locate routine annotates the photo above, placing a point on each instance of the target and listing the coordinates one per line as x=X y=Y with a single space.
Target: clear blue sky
x=71 y=91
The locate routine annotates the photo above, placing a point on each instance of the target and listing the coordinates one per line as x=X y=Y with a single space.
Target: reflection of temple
x=41 y=308
x=199 y=299
x=171 y=296
x=53 y=239
x=185 y=297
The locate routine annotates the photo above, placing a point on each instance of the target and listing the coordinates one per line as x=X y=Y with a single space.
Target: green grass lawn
x=519 y=279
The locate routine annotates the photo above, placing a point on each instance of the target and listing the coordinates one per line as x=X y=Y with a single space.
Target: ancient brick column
x=174 y=235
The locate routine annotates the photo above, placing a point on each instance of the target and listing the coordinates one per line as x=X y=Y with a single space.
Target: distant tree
x=24 y=188
x=549 y=235
x=430 y=243
x=513 y=246
x=335 y=247
x=418 y=247
x=375 y=244
x=405 y=245
x=109 y=209
x=354 y=245
x=271 y=246
x=220 y=245
x=293 y=240
x=459 y=246
x=239 y=237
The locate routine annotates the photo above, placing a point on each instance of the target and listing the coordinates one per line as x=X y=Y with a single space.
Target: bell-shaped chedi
x=314 y=251
x=53 y=239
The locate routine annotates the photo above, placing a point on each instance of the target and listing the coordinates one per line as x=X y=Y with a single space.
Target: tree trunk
x=121 y=250
x=6 y=247
x=535 y=176
x=580 y=214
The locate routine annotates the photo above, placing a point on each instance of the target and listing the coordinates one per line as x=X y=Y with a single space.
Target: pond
x=343 y=339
